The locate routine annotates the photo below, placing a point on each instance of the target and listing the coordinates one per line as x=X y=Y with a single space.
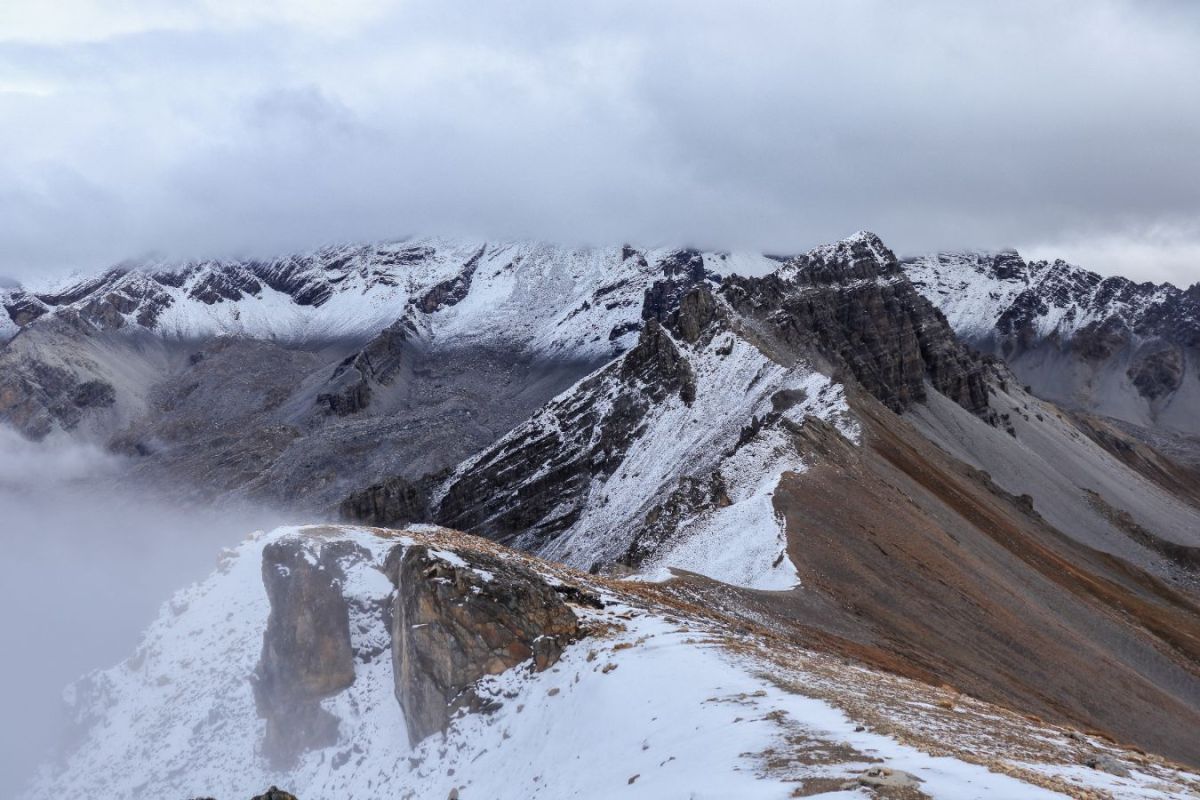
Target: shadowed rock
x=455 y=623
x=852 y=303
x=275 y=793
x=393 y=501
x=306 y=652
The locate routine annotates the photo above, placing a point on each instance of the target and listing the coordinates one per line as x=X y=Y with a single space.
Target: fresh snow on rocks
x=551 y=299
x=745 y=543
x=976 y=289
x=650 y=704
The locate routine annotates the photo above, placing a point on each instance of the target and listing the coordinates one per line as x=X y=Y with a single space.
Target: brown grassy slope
x=966 y=583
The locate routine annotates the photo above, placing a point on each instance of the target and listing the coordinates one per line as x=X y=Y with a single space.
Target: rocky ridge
x=1108 y=345
x=652 y=450
x=670 y=693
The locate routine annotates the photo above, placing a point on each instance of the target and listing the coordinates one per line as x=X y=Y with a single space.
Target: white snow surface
x=548 y=297
x=745 y=543
x=656 y=709
x=973 y=297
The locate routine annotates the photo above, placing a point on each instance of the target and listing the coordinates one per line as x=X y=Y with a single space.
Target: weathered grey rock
x=306 y=652
x=1108 y=764
x=1157 y=370
x=349 y=388
x=455 y=622
x=852 y=303
x=391 y=502
x=884 y=778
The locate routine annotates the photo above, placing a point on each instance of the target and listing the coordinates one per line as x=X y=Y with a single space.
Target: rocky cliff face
x=1124 y=349
x=306 y=654
x=852 y=303
x=451 y=620
x=349 y=388
x=455 y=622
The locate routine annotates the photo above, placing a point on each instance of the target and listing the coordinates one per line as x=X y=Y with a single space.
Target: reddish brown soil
x=905 y=551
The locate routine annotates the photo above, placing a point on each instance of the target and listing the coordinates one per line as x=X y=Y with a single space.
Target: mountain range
x=967 y=470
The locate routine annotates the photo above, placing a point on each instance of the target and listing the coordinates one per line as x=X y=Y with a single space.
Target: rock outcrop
x=392 y=502
x=852 y=303
x=455 y=622
x=1104 y=345
x=275 y=793
x=306 y=652
x=535 y=482
x=349 y=388
x=451 y=620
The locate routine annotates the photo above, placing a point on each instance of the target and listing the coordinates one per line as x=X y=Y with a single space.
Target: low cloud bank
x=86 y=562
x=209 y=129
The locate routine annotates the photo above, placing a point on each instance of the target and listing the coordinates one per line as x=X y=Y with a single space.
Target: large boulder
x=455 y=622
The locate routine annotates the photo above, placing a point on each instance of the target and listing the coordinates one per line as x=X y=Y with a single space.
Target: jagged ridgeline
x=353 y=662
x=821 y=440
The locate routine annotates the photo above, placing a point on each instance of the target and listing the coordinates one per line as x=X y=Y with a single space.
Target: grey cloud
x=769 y=126
x=87 y=562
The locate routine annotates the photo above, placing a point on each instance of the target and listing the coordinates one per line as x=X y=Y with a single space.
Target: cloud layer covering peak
x=212 y=127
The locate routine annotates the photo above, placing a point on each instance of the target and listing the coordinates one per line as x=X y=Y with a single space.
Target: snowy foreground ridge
x=660 y=699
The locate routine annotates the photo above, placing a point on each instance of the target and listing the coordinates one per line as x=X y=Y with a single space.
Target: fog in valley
x=88 y=561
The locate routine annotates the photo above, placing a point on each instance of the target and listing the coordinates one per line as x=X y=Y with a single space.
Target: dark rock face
x=657 y=364
x=306 y=652
x=535 y=484
x=853 y=304
x=378 y=363
x=451 y=292
x=1157 y=370
x=454 y=624
x=225 y=283
x=24 y=308
x=392 y=502
x=275 y=793
x=684 y=271
x=94 y=394
x=295 y=277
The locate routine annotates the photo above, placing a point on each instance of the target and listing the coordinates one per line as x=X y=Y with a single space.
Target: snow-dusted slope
x=657 y=701
x=985 y=294
x=666 y=457
x=1123 y=349
x=549 y=297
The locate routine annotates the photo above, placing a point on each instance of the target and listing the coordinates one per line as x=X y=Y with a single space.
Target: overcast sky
x=212 y=127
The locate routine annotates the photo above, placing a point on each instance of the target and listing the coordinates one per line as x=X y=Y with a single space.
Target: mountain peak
x=860 y=256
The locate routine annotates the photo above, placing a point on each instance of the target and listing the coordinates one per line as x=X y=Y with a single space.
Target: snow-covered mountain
x=813 y=449
x=658 y=698
x=543 y=296
x=337 y=355
x=655 y=458
x=1123 y=349
x=675 y=446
